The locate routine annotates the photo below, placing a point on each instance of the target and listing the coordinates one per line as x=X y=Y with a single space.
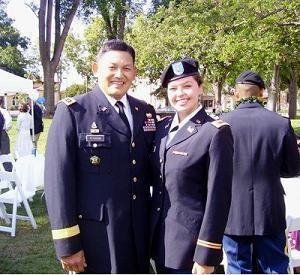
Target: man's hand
x=202 y=269
x=75 y=262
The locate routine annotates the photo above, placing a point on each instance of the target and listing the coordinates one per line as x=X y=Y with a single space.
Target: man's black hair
x=116 y=45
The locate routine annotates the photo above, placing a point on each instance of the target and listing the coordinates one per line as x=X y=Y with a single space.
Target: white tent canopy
x=11 y=84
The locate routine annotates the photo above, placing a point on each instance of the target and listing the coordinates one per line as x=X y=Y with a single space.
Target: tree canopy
x=12 y=44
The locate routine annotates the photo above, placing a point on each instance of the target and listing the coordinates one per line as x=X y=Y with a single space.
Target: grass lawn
x=296 y=125
x=32 y=251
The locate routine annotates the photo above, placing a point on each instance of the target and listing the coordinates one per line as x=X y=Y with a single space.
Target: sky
x=27 y=23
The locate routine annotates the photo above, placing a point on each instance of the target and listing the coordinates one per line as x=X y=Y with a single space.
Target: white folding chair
x=293 y=224
x=6 y=159
x=15 y=197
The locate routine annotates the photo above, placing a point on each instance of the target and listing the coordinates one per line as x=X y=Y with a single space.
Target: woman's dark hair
x=23 y=107
x=116 y=45
x=198 y=79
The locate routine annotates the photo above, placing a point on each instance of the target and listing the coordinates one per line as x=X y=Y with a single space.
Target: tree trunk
x=50 y=59
x=293 y=93
x=49 y=90
x=220 y=87
x=274 y=90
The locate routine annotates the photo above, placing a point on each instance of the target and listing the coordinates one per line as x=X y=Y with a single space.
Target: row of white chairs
x=14 y=195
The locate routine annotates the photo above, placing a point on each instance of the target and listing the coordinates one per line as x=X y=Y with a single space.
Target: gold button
x=79 y=216
x=160 y=176
x=158 y=209
x=132 y=144
x=133 y=161
x=134 y=179
x=159 y=192
x=134 y=197
x=160 y=160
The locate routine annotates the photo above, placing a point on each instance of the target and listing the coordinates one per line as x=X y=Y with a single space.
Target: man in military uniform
x=97 y=171
x=192 y=163
x=265 y=149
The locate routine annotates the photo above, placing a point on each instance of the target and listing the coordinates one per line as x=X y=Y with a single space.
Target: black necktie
x=174 y=129
x=122 y=114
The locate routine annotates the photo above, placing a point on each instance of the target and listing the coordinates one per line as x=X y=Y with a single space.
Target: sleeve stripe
x=209 y=244
x=65 y=233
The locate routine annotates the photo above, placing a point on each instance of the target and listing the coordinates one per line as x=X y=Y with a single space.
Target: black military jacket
x=97 y=183
x=192 y=190
x=265 y=149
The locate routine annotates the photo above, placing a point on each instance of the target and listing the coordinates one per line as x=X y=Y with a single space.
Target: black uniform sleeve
x=209 y=244
x=291 y=158
x=60 y=161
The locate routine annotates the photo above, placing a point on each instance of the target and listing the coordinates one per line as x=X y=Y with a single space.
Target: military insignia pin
x=95 y=160
x=103 y=109
x=94 y=128
x=178 y=68
x=198 y=121
x=190 y=129
x=148 y=115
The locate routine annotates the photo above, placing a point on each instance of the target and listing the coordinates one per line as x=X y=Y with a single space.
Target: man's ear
x=95 y=68
x=261 y=93
x=237 y=95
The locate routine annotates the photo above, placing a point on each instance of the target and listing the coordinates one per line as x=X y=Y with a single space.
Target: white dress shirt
x=127 y=110
x=175 y=123
x=7 y=119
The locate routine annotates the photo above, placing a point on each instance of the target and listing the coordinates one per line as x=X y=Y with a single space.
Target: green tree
x=226 y=36
x=12 y=45
x=75 y=89
x=115 y=14
x=82 y=52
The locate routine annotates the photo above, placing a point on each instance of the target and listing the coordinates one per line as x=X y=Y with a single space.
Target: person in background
x=192 y=171
x=5 y=141
x=2 y=122
x=97 y=181
x=38 y=122
x=265 y=149
x=24 y=144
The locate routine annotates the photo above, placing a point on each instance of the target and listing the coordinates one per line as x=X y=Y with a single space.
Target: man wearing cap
x=265 y=149
x=192 y=173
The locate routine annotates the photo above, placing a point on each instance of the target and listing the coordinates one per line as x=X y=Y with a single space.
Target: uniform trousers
x=160 y=269
x=268 y=250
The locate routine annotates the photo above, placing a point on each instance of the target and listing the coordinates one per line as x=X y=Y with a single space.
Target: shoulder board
x=164 y=118
x=219 y=123
x=68 y=101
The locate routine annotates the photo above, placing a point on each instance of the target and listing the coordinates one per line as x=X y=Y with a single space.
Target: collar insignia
x=190 y=129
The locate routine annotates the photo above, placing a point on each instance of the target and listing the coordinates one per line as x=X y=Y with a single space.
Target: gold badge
x=95 y=160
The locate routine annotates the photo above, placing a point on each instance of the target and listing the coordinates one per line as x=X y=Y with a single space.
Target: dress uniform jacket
x=191 y=192
x=265 y=149
x=97 y=183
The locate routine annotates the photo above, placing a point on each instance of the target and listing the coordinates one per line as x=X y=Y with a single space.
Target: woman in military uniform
x=192 y=162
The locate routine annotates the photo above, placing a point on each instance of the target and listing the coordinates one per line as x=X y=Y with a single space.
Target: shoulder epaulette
x=68 y=101
x=219 y=123
x=164 y=118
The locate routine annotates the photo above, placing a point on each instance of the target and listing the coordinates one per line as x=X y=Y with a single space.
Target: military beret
x=179 y=69
x=251 y=78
